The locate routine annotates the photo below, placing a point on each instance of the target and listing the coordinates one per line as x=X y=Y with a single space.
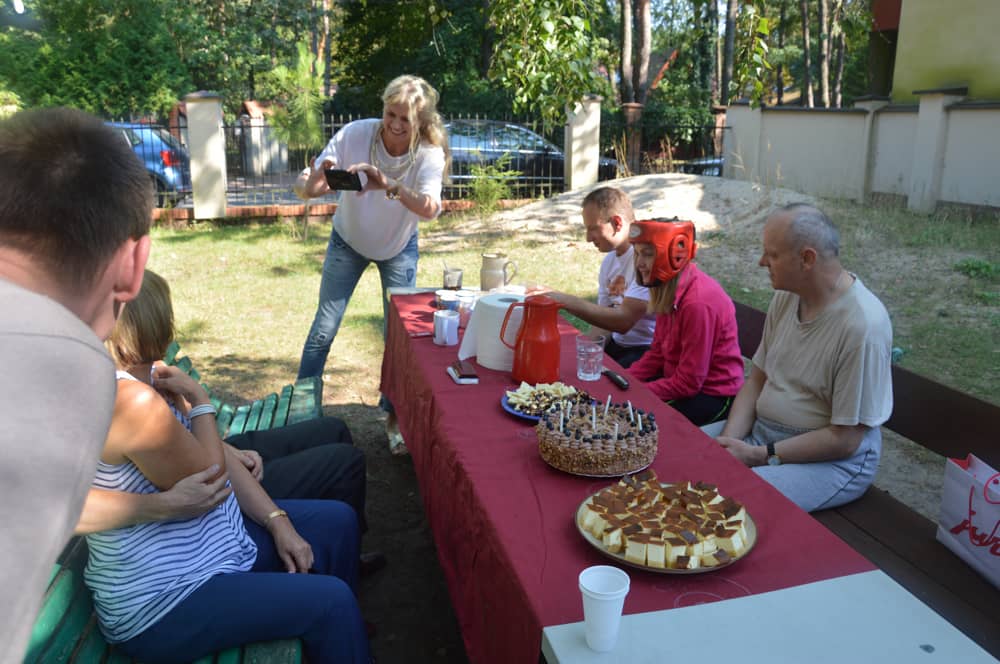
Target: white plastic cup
x=604 y=589
x=446 y=327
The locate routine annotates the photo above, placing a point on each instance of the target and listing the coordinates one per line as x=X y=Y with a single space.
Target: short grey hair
x=810 y=227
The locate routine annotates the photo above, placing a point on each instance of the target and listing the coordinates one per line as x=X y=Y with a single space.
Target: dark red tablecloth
x=503 y=520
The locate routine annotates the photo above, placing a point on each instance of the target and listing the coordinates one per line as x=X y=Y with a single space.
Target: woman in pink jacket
x=694 y=362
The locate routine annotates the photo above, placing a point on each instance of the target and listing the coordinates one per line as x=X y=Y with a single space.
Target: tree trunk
x=628 y=93
x=807 y=91
x=837 y=48
x=727 y=51
x=486 y=45
x=838 y=72
x=325 y=50
x=644 y=28
x=713 y=48
x=780 y=70
x=822 y=19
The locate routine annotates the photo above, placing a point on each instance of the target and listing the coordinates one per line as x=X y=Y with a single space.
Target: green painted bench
x=66 y=629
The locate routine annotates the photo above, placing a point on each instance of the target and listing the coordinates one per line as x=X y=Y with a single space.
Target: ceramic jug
x=493 y=274
x=536 y=349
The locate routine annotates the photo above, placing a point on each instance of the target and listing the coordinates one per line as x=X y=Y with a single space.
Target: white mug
x=445 y=327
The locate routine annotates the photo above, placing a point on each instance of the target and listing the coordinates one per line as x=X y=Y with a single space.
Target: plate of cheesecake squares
x=676 y=528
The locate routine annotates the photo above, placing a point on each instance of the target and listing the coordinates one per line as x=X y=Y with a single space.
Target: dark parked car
x=166 y=160
x=539 y=162
x=703 y=166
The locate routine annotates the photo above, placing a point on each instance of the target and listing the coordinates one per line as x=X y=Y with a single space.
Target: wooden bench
x=893 y=536
x=66 y=629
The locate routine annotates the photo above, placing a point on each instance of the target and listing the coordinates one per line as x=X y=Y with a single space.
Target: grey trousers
x=823 y=484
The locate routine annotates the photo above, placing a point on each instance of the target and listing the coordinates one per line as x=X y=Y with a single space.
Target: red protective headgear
x=674 y=242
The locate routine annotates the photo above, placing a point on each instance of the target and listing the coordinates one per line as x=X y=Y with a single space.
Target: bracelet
x=274 y=515
x=392 y=191
x=203 y=409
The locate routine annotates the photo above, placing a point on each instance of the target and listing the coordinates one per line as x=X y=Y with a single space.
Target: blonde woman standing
x=403 y=158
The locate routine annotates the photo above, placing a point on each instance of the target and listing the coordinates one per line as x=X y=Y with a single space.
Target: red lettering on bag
x=977 y=537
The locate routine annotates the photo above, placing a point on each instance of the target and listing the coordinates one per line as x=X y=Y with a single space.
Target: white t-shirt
x=57 y=393
x=374 y=226
x=616 y=281
x=835 y=369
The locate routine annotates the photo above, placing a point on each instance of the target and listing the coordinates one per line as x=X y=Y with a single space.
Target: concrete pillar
x=868 y=139
x=928 y=147
x=208 y=154
x=741 y=144
x=583 y=142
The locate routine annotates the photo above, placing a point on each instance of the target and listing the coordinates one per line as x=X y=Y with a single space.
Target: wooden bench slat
x=64 y=641
x=287 y=650
x=92 y=647
x=223 y=419
x=305 y=403
x=229 y=656
x=253 y=418
x=171 y=355
x=184 y=364
x=239 y=421
x=942 y=419
x=284 y=402
x=267 y=412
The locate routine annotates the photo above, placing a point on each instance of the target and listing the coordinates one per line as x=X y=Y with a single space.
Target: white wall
x=817 y=153
x=830 y=153
x=971 y=171
x=893 y=137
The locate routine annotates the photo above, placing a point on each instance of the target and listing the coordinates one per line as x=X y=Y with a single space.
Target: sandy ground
x=409 y=600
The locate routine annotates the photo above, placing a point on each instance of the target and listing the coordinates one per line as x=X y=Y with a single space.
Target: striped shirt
x=139 y=573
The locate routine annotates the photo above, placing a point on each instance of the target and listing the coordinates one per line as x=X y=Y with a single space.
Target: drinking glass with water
x=589 y=356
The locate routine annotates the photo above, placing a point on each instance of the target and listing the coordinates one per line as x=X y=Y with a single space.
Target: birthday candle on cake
x=606 y=406
x=593 y=416
x=560 y=421
x=640 y=422
x=616 y=431
x=631 y=418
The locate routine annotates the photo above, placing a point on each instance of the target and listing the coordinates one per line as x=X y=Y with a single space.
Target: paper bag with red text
x=970 y=515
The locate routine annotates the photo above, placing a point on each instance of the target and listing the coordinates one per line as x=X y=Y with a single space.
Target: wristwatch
x=772 y=458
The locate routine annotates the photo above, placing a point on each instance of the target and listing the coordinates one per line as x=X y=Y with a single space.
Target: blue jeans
x=342 y=269
x=268 y=603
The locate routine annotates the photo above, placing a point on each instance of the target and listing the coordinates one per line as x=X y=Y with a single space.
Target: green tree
x=111 y=57
x=297 y=119
x=547 y=54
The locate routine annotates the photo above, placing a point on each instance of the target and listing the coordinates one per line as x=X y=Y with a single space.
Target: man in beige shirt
x=807 y=418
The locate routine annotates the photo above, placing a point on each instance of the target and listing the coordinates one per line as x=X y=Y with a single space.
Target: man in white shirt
x=75 y=211
x=807 y=418
x=620 y=312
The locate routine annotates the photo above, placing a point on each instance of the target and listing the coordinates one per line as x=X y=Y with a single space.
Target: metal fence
x=260 y=169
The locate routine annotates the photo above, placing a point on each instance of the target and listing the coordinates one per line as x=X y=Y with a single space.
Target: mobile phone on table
x=341 y=180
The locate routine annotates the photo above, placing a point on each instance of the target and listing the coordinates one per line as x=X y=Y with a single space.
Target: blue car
x=166 y=160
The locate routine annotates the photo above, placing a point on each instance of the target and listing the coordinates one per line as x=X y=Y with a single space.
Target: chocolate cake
x=598 y=440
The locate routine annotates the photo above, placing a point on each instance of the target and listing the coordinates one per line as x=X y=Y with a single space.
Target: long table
x=503 y=520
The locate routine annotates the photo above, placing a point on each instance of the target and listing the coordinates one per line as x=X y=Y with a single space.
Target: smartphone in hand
x=341 y=180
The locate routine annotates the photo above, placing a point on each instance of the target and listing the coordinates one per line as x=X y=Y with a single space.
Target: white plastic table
x=854 y=619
